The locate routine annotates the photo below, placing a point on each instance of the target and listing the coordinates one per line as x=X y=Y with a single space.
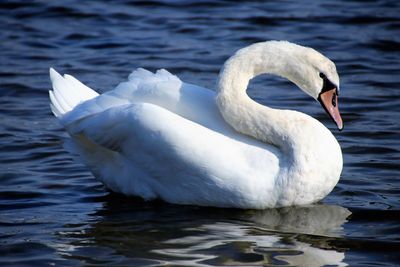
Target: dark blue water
x=52 y=210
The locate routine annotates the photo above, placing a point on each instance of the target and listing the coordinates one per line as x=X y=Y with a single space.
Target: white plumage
x=155 y=136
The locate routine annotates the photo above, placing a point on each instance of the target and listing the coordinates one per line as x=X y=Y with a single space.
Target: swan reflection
x=192 y=236
x=325 y=220
x=265 y=233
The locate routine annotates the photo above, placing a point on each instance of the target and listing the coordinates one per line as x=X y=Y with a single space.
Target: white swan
x=157 y=137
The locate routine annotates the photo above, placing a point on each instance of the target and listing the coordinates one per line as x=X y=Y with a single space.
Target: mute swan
x=155 y=136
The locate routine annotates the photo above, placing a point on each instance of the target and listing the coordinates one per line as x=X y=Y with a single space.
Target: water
x=52 y=210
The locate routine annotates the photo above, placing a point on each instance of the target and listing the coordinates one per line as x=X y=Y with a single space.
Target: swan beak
x=329 y=101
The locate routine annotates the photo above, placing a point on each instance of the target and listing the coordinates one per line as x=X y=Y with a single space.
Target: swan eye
x=322 y=75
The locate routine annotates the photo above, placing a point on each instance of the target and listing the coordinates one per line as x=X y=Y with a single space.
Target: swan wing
x=143 y=149
x=155 y=136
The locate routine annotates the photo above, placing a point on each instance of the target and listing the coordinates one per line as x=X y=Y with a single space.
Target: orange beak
x=329 y=101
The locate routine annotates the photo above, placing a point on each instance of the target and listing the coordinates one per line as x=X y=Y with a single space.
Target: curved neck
x=303 y=141
x=239 y=110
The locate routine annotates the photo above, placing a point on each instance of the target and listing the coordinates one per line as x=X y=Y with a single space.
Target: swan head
x=317 y=76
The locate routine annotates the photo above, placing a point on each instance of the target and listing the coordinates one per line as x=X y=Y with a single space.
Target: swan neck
x=238 y=109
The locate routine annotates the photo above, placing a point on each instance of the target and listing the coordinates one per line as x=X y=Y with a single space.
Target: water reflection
x=133 y=232
x=318 y=219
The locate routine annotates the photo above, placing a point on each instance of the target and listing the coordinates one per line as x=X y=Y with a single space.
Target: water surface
x=52 y=210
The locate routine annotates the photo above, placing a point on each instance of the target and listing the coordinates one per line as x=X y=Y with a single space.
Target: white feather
x=67 y=93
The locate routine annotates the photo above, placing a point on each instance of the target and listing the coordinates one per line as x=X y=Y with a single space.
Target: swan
x=155 y=136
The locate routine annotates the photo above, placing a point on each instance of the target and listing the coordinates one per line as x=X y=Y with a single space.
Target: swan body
x=155 y=136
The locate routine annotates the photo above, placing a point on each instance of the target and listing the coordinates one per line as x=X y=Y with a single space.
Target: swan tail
x=67 y=93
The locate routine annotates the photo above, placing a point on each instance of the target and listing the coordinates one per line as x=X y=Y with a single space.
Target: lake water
x=52 y=210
